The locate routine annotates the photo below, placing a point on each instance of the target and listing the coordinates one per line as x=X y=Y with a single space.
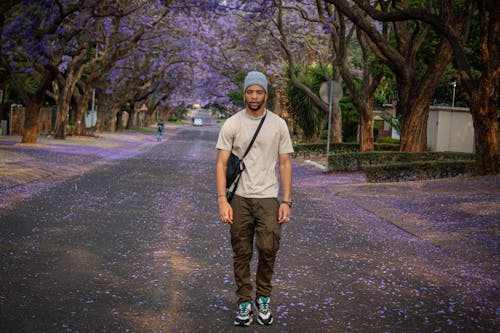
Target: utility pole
x=454 y=84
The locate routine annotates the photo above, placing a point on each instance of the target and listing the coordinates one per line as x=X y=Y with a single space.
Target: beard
x=254 y=106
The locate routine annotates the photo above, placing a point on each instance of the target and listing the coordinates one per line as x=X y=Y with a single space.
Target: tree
x=115 y=35
x=235 y=44
x=45 y=40
x=304 y=112
x=33 y=43
x=361 y=77
x=66 y=91
x=294 y=23
x=5 y=7
x=297 y=24
x=480 y=79
x=35 y=40
x=415 y=86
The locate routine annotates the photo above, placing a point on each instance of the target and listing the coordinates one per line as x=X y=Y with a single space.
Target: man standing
x=255 y=209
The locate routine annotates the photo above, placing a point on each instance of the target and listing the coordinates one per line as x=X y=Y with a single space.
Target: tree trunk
x=101 y=112
x=482 y=93
x=155 y=116
x=119 y=121
x=414 y=132
x=315 y=137
x=81 y=109
x=31 y=121
x=336 y=123
x=74 y=73
x=63 y=108
x=131 y=116
x=79 y=121
x=111 y=119
x=148 y=121
x=33 y=104
x=366 y=126
x=61 y=122
x=486 y=127
x=487 y=155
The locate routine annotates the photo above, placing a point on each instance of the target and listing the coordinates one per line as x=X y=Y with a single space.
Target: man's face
x=255 y=97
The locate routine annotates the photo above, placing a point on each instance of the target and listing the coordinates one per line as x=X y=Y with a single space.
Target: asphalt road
x=136 y=246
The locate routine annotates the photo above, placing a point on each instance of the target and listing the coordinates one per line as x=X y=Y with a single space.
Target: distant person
x=255 y=211
x=159 y=133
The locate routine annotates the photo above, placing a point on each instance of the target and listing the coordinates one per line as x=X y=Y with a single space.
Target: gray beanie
x=253 y=78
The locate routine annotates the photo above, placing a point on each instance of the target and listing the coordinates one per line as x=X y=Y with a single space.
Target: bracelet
x=220 y=195
x=289 y=203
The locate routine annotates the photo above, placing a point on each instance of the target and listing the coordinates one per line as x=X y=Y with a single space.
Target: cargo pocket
x=276 y=240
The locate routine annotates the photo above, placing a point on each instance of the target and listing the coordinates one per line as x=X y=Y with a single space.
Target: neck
x=255 y=113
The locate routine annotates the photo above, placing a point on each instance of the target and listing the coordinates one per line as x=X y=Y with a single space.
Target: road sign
x=324 y=91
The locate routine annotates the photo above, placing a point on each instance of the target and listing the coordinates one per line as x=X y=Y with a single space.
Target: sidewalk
x=458 y=215
x=27 y=169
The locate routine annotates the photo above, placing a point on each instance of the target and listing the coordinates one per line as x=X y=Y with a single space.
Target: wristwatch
x=289 y=203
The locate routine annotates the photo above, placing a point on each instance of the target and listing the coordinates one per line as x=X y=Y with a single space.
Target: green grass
x=176 y=122
x=145 y=129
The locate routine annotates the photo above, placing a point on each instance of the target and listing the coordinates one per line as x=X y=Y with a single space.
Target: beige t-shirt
x=259 y=180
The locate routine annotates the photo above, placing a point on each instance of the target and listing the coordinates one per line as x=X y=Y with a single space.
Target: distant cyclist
x=159 y=134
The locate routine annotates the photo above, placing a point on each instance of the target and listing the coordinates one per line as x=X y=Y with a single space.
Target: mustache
x=254 y=108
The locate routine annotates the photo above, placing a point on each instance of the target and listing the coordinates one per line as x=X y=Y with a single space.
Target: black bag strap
x=254 y=136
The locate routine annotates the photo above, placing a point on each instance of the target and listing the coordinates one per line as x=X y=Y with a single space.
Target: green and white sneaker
x=265 y=316
x=244 y=316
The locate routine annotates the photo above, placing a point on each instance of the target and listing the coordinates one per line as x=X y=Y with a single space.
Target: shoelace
x=264 y=301
x=245 y=308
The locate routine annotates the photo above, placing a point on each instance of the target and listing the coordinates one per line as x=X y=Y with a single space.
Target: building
x=450 y=129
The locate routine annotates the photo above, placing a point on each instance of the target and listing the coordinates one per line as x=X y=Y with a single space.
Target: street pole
x=92 y=112
x=93 y=90
x=93 y=99
x=328 y=91
x=454 y=84
x=330 y=98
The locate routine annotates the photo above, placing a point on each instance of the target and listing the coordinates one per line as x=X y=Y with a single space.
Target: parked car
x=198 y=122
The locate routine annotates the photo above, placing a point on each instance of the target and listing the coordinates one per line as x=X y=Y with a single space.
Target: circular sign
x=324 y=91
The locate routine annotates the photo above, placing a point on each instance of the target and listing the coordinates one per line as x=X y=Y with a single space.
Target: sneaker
x=264 y=309
x=244 y=317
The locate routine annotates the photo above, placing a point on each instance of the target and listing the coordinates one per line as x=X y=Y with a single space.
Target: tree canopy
x=171 y=53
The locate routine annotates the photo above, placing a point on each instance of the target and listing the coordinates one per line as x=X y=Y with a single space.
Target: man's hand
x=284 y=213
x=225 y=211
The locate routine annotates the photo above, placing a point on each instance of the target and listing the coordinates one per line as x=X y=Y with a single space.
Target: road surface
x=136 y=246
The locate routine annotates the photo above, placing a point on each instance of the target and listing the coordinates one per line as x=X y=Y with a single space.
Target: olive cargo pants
x=257 y=217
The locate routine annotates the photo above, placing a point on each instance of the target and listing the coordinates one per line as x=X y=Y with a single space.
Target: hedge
x=307 y=149
x=418 y=170
x=360 y=160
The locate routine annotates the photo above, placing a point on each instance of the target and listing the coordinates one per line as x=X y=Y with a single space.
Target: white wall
x=90 y=119
x=450 y=129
